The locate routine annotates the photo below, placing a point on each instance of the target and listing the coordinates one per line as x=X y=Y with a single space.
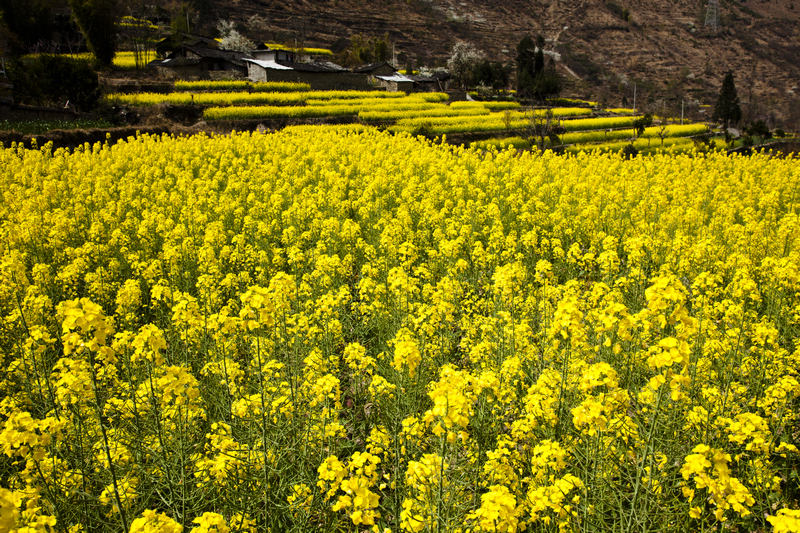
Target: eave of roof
x=268 y=64
x=395 y=78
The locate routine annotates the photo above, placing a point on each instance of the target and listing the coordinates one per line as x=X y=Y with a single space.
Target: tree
x=727 y=108
x=54 y=80
x=35 y=26
x=526 y=70
x=547 y=83
x=543 y=128
x=180 y=15
x=491 y=74
x=138 y=35
x=231 y=39
x=365 y=49
x=641 y=123
x=97 y=21
x=629 y=151
x=464 y=58
x=534 y=79
x=538 y=57
x=760 y=129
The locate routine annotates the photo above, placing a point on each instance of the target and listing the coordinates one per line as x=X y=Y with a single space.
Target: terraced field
x=577 y=124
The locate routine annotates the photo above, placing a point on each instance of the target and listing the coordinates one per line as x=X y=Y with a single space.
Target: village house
x=282 y=65
x=381 y=68
x=197 y=57
x=394 y=82
x=383 y=75
x=434 y=83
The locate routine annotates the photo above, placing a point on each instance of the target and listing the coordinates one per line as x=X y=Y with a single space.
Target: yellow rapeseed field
x=333 y=329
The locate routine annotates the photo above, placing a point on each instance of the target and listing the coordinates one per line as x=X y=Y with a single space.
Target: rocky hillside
x=603 y=47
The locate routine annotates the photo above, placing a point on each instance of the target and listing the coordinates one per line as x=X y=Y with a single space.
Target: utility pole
x=712 y=15
x=634 y=98
x=681 y=111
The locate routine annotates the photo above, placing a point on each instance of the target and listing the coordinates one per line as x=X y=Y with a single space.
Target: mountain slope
x=604 y=47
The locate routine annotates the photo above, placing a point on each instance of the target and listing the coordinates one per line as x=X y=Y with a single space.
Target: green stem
x=645 y=454
x=122 y=516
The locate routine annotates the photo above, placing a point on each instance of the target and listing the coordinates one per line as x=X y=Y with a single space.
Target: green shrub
x=629 y=151
x=54 y=80
x=619 y=11
x=759 y=129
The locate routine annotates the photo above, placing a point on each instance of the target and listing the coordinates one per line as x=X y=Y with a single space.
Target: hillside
x=604 y=47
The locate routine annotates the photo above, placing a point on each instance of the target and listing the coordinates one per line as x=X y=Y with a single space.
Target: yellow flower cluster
x=342 y=329
x=708 y=469
x=785 y=521
x=498 y=511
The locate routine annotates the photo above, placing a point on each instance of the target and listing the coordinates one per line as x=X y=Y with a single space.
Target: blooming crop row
x=571 y=101
x=499 y=121
x=587 y=141
x=368 y=103
x=241 y=85
x=338 y=329
x=123 y=59
x=667 y=130
x=598 y=123
x=494 y=106
x=254 y=112
x=242 y=98
x=438 y=110
x=644 y=145
x=338 y=107
x=300 y=50
x=503 y=142
x=557 y=112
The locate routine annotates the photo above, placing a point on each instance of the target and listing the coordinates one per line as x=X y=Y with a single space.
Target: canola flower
x=380 y=107
x=240 y=85
x=340 y=329
x=300 y=50
x=123 y=59
x=236 y=98
x=667 y=131
x=670 y=137
x=513 y=120
x=645 y=145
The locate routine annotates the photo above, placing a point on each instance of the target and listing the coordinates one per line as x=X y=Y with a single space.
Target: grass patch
x=42 y=126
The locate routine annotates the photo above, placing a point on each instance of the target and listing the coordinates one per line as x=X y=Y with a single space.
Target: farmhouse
x=433 y=83
x=168 y=45
x=395 y=82
x=281 y=65
x=195 y=57
x=376 y=69
x=384 y=75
